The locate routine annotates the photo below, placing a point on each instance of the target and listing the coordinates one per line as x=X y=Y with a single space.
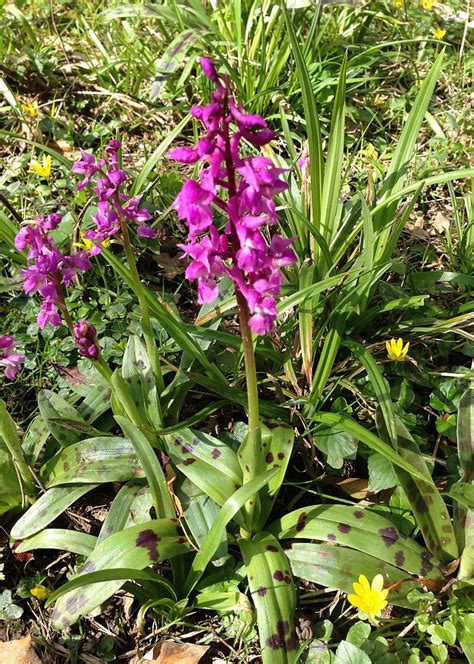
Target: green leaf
x=97 y=460
x=359 y=633
x=53 y=409
x=138 y=374
x=338 y=567
x=359 y=529
x=337 y=445
x=8 y=609
x=425 y=500
x=136 y=547
x=208 y=462
x=154 y=473
x=48 y=506
x=381 y=473
x=347 y=653
x=214 y=537
x=131 y=506
x=60 y=539
x=368 y=438
x=274 y=595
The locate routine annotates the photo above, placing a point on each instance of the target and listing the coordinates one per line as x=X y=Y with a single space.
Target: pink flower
x=85 y=337
x=11 y=362
x=244 y=188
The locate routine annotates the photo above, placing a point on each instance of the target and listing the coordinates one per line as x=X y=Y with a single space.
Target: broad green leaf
x=348 y=653
x=358 y=529
x=10 y=441
x=208 y=462
x=48 y=506
x=53 y=409
x=381 y=473
x=224 y=602
x=136 y=547
x=199 y=511
x=368 y=438
x=426 y=502
x=154 y=473
x=97 y=460
x=130 y=507
x=214 y=537
x=274 y=595
x=338 y=567
x=463 y=516
x=277 y=447
x=172 y=59
x=35 y=437
x=60 y=539
x=138 y=374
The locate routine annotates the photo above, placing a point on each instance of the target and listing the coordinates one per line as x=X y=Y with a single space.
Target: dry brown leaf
x=440 y=223
x=169 y=652
x=18 y=652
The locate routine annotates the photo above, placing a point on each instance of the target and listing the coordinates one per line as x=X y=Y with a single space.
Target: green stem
x=146 y=323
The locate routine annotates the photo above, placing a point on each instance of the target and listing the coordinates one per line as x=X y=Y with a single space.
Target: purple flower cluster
x=244 y=187
x=85 y=337
x=10 y=361
x=47 y=268
x=113 y=204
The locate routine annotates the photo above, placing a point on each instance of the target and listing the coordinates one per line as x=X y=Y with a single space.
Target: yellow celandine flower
x=42 y=169
x=439 y=33
x=370 y=152
x=428 y=4
x=87 y=244
x=396 y=350
x=398 y=3
x=369 y=598
x=30 y=108
x=40 y=592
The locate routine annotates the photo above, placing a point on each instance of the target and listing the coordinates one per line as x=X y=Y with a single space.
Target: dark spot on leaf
x=147 y=539
x=358 y=514
x=216 y=453
x=262 y=591
x=331 y=537
x=66 y=466
x=279 y=640
x=87 y=568
x=188 y=462
x=446 y=528
x=389 y=536
x=399 y=558
x=301 y=523
x=272 y=547
x=426 y=564
x=187 y=447
x=281 y=455
x=269 y=458
x=278 y=575
x=344 y=528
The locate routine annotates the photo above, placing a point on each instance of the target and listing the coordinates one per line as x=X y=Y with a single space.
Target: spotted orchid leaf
x=60 y=539
x=425 y=500
x=277 y=446
x=359 y=529
x=138 y=374
x=96 y=460
x=209 y=463
x=274 y=595
x=338 y=567
x=53 y=409
x=131 y=506
x=137 y=548
x=47 y=508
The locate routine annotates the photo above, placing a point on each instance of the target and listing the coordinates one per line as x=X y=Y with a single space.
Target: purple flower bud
x=208 y=69
x=85 y=338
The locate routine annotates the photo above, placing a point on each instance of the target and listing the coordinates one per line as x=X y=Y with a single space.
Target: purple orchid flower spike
x=113 y=204
x=11 y=362
x=47 y=268
x=244 y=187
x=85 y=338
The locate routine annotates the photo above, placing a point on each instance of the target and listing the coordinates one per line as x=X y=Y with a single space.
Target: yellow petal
x=358 y=588
x=399 y=345
x=405 y=349
x=364 y=582
x=355 y=600
x=383 y=593
x=377 y=583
